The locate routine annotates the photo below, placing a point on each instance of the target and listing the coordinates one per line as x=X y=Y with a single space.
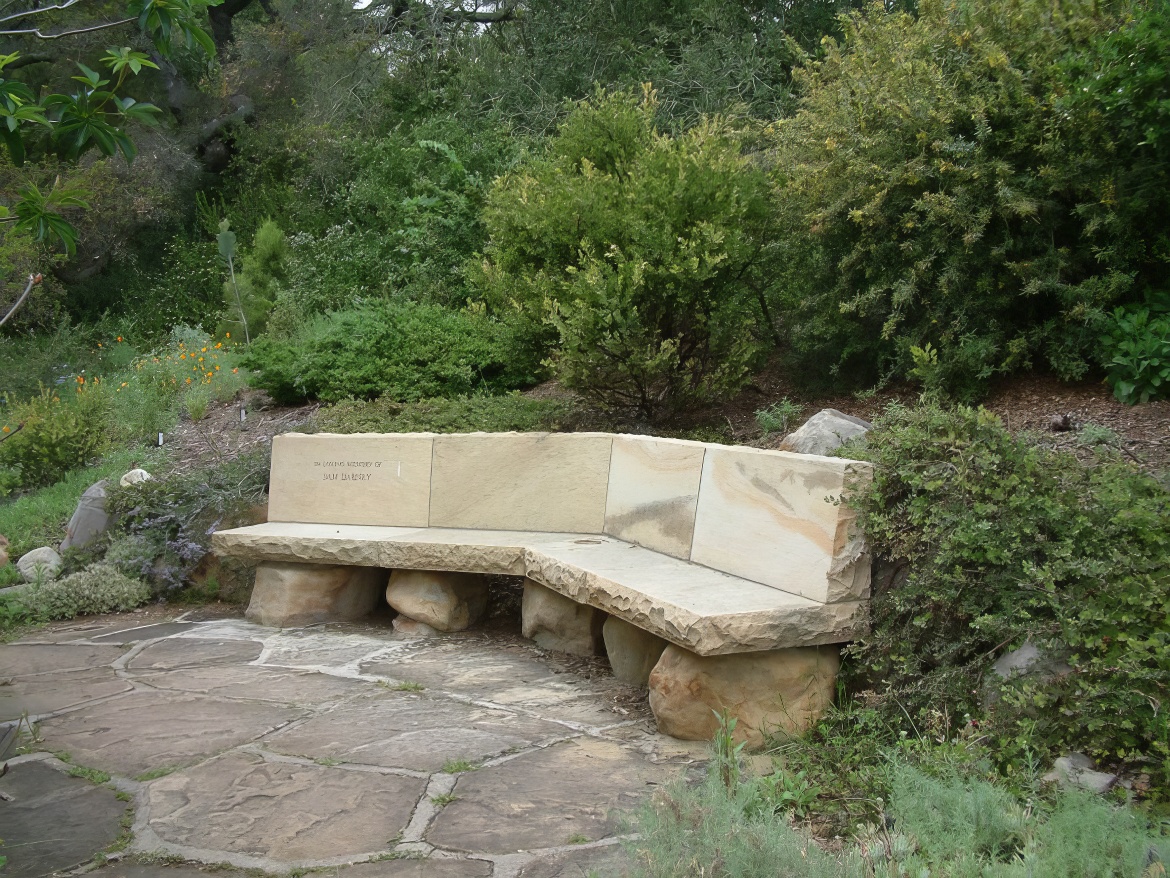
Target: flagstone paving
x=344 y=746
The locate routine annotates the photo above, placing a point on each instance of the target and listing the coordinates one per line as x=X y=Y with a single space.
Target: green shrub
x=49 y=436
x=961 y=178
x=254 y=281
x=406 y=351
x=99 y=588
x=643 y=250
x=1000 y=541
x=1136 y=351
x=463 y=414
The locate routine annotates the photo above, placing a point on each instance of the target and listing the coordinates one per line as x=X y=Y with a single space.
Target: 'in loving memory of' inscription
x=351 y=470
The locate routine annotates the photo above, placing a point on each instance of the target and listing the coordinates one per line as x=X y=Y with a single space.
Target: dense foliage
x=984 y=179
x=644 y=250
x=999 y=541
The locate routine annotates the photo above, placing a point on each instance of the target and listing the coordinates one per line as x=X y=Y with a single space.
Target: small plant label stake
x=160 y=440
x=243 y=415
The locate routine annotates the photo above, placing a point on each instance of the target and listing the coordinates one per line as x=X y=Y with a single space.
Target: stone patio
x=346 y=746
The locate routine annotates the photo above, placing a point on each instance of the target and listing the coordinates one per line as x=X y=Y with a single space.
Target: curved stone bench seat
x=705 y=611
x=720 y=576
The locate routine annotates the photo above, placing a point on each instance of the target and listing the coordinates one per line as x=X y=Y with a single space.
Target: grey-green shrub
x=99 y=588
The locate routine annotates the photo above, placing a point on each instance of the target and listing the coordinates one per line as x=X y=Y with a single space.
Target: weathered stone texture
x=43 y=563
x=521 y=481
x=653 y=492
x=559 y=623
x=444 y=601
x=632 y=652
x=295 y=595
x=784 y=691
x=361 y=478
x=825 y=432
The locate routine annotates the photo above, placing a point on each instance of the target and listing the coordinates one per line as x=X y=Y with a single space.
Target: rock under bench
x=722 y=577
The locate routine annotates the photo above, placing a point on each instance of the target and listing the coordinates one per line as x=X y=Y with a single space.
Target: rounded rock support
x=632 y=652
x=295 y=595
x=444 y=601
x=780 y=691
x=559 y=623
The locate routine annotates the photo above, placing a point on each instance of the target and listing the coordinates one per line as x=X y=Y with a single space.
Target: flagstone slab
x=54 y=821
x=566 y=792
x=402 y=730
x=241 y=803
x=432 y=867
x=190 y=652
x=255 y=683
x=143 y=632
x=45 y=694
x=609 y=861
x=26 y=659
x=144 y=731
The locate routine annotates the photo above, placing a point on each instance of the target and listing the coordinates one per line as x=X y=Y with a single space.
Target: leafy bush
x=406 y=351
x=999 y=540
x=99 y=588
x=643 y=250
x=1136 y=351
x=462 y=414
x=253 y=282
x=49 y=436
x=961 y=179
x=164 y=526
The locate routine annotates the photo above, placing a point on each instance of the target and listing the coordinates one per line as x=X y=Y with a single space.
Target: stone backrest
x=772 y=517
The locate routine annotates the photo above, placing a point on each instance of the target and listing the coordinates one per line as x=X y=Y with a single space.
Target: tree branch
x=36 y=32
x=40 y=10
x=33 y=280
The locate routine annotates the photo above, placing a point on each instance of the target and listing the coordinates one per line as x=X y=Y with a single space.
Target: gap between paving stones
x=278 y=652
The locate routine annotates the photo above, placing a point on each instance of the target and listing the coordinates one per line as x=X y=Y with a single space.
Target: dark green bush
x=1136 y=352
x=463 y=414
x=1002 y=540
x=644 y=250
x=406 y=351
x=985 y=178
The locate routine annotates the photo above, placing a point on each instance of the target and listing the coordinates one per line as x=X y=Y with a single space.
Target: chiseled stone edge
x=812 y=624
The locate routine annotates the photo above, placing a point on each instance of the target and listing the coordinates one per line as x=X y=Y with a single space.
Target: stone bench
x=729 y=572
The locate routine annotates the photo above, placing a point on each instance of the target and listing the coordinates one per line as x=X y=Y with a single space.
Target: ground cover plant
x=992 y=540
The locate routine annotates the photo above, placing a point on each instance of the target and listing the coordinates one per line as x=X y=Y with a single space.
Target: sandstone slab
x=444 y=601
x=28 y=659
x=653 y=493
x=354 y=479
x=291 y=812
x=55 y=821
x=42 y=695
x=558 y=623
x=139 y=633
x=565 y=792
x=415 y=732
x=143 y=731
x=632 y=652
x=705 y=610
x=191 y=652
x=290 y=687
x=431 y=867
x=295 y=595
x=601 y=861
x=776 y=518
x=521 y=481
x=39 y=564
x=783 y=691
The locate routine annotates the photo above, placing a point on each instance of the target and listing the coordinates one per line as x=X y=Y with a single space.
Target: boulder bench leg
x=559 y=623
x=295 y=595
x=779 y=691
x=442 y=601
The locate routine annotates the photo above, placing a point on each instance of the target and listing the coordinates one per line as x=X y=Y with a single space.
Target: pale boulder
x=3 y=550
x=825 y=432
x=444 y=601
x=781 y=691
x=43 y=563
x=559 y=623
x=90 y=519
x=632 y=652
x=295 y=595
x=410 y=628
x=136 y=476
